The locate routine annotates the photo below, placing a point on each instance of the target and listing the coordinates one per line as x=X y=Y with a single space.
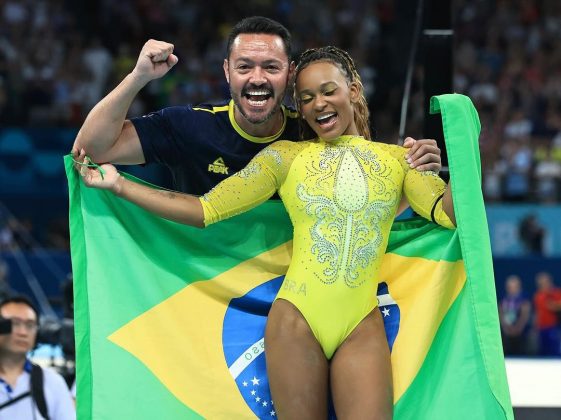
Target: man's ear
x=226 y=68
x=291 y=68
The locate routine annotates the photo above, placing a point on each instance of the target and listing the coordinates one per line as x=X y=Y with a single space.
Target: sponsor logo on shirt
x=218 y=167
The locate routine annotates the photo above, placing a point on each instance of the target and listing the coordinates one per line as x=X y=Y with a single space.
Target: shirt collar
x=27 y=366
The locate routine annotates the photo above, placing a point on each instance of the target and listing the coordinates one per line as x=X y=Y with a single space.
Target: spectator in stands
x=5 y=288
x=547 y=303
x=18 y=376
x=531 y=234
x=98 y=60
x=6 y=235
x=556 y=147
x=514 y=313
x=519 y=166
x=548 y=178
x=67 y=288
x=519 y=127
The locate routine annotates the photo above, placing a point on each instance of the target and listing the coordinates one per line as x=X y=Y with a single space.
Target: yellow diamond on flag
x=180 y=339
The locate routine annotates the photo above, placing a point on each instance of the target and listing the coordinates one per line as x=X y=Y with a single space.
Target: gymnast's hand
x=105 y=177
x=424 y=154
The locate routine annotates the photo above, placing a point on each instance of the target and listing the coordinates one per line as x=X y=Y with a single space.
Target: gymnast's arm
x=430 y=197
x=251 y=186
x=448 y=204
x=178 y=207
x=241 y=192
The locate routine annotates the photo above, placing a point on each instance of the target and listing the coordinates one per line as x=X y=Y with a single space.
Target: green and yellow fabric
x=170 y=319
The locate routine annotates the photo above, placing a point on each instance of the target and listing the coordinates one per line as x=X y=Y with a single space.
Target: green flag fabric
x=169 y=319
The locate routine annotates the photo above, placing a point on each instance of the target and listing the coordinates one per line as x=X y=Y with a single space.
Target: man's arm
x=106 y=135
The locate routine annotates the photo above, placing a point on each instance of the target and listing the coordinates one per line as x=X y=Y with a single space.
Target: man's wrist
x=137 y=80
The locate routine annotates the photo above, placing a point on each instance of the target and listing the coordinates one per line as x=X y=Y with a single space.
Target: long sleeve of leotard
x=423 y=190
x=251 y=186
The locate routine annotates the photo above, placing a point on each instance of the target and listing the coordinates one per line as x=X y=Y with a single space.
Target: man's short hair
x=260 y=25
x=21 y=299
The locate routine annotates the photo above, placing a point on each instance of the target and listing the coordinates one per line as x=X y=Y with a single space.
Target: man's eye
x=305 y=99
x=329 y=93
x=273 y=68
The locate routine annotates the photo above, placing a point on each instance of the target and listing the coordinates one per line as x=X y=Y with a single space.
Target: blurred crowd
x=58 y=58
x=512 y=71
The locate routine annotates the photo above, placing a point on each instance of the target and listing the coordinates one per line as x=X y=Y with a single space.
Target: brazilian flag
x=170 y=319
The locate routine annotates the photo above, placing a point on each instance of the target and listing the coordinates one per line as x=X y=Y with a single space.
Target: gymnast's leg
x=361 y=374
x=296 y=365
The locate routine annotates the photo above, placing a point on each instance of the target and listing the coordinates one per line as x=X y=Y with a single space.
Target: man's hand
x=155 y=60
x=424 y=154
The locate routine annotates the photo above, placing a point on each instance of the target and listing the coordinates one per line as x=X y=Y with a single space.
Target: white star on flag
x=258 y=399
x=386 y=312
x=244 y=383
x=264 y=403
x=255 y=381
x=272 y=413
x=253 y=392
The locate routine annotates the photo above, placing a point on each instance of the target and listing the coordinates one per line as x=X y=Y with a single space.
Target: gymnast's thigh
x=361 y=374
x=296 y=365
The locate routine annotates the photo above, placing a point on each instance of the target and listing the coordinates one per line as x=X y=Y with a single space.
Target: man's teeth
x=258 y=92
x=258 y=97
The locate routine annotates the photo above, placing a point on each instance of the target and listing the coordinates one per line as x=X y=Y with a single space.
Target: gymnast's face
x=326 y=99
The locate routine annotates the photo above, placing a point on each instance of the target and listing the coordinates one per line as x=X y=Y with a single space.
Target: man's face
x=543 y=281
x=257 y=72
x=24 y=328
x=513 y=285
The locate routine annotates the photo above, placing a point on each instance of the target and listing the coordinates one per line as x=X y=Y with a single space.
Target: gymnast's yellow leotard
x=342 y=196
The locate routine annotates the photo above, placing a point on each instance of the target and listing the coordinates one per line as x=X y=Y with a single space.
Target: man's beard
x=259 y=119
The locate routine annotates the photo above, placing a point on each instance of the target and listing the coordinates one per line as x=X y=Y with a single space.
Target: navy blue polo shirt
x=202 y=145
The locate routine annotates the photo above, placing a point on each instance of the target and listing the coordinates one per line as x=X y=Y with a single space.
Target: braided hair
x=345 y=63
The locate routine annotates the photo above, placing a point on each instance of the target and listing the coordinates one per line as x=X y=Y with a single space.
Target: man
x=547 y=301
x=514 y=314
x=203 y=145
x=16 y=368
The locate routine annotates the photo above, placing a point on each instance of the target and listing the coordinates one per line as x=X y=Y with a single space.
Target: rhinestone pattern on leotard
x=346 y=235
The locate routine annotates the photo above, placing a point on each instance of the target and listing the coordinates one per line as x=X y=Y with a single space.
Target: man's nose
x=258 y=76
x=20 y=329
